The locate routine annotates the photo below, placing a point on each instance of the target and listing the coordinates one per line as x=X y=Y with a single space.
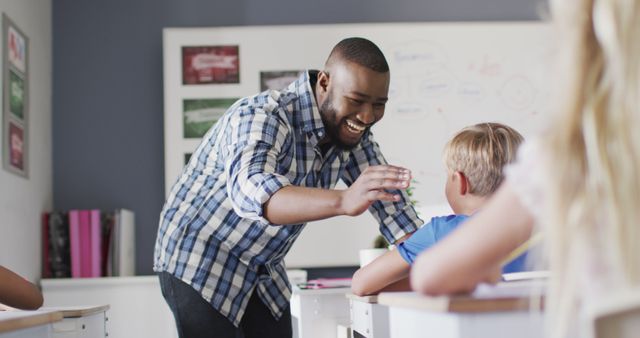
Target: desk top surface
x=371 y=299
x=13 y=320
x=78 y=311
x=486 y=298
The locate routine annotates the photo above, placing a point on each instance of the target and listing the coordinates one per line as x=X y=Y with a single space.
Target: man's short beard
x=331 y=126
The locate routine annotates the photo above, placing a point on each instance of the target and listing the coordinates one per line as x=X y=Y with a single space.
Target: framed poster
x=16 y=95
x=277 y=80
x=200 y=114
x=210 y=64
x=15 y=105
x=16 y=146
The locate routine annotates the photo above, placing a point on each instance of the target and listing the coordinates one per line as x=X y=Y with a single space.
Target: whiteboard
x=444 y=76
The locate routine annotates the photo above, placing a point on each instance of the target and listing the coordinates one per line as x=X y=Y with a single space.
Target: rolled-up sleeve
x=396 y=219
x=256 y=145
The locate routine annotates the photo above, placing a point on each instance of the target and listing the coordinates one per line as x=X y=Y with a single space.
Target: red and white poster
x=16 y=146
x=210 y=65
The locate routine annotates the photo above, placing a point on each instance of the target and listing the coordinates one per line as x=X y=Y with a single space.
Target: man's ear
x=464 y=183
x=323 y=81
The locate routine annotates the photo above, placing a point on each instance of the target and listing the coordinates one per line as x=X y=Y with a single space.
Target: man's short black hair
x=362 y=52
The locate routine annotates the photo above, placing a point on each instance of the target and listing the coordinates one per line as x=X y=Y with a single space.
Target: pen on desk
x=309 y=285
x=533 y=240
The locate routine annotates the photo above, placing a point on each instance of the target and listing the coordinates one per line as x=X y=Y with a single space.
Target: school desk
x=136 y=306
x=502 y=311
x=81 y=322
x=316 y=313
x=27 y=324
x=368 y=318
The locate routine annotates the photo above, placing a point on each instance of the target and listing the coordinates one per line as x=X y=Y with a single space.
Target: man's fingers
x=387 y=174
x=376 y=184
x=380 y=195
x=390 y=170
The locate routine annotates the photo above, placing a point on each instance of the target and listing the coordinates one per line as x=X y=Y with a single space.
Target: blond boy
x=474 y=159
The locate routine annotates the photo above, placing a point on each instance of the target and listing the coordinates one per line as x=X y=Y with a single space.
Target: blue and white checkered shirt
x=213 y=234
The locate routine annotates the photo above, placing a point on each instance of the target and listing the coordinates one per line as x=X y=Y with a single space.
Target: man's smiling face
x=355 y=100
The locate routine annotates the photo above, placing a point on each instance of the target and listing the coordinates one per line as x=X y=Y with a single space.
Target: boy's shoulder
x=440 y=226
x=450 y=220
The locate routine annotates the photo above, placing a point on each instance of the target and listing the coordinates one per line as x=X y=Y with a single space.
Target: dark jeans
x=196 y=318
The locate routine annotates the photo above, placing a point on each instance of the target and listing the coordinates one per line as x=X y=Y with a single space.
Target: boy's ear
x=463 y=183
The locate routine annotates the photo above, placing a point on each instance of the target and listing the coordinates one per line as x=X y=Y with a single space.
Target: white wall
x=23 y=200
x=444 y=76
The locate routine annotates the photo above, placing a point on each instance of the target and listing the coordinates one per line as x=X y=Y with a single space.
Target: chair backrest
x=618 y=316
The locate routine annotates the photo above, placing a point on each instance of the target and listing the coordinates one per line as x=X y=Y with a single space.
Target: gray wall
x=23 y=199
x=107 y=84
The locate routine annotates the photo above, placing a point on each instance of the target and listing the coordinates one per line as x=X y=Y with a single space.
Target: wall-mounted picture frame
x=16 y=95
x=15 y=103
x=278 y=79
x=16 y=146
x=210 y=65
x=198 y=115
x=17 y=43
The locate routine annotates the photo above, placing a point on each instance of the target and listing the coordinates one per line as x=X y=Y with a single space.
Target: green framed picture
x=200 y=114
x=16 y=95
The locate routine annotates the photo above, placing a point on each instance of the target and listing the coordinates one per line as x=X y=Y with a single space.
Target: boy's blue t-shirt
x=436 y=230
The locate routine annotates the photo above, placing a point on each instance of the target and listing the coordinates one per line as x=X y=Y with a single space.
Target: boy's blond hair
x=480 y=152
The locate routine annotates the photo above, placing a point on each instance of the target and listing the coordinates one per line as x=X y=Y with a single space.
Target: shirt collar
x=308 y=117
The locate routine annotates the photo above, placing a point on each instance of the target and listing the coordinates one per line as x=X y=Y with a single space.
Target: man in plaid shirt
x=265 y=169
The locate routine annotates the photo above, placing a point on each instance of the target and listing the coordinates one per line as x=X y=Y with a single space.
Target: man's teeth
x=355 y=126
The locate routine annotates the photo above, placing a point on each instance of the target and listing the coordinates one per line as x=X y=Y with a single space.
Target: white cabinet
x=137 y=308
x=317 y=313
x=368 y=318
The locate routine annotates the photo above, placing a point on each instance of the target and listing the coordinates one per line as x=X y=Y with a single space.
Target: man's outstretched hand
x=371 y=186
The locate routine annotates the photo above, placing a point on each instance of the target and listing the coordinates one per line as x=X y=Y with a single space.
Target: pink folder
x=96 y=243
x=74 y=239
x=85 y=243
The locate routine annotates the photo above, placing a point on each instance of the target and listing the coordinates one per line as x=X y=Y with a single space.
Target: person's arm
x=380 y=274
x=17 y=292
x=473 y=252
x=260 y=189
x=403 y=284
x=293 y=204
